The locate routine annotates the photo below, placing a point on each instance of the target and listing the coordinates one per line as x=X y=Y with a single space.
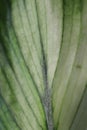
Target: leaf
x=43 y=66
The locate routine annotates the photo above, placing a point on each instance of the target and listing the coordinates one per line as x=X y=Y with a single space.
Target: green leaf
x=43 y=65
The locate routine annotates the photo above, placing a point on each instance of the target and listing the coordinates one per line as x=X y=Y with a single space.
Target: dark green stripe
x=2 y=125
x=9 y=111
x=78 y=108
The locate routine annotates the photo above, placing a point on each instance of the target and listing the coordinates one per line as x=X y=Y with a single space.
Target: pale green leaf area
x=43 y=64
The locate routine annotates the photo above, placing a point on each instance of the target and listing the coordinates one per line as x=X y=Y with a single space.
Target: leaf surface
x=43 y=65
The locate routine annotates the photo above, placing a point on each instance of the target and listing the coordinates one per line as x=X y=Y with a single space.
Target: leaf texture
x=43 y=65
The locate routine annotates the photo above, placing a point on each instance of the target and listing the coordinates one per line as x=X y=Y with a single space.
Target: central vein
x=46 y=99
x=47 y=96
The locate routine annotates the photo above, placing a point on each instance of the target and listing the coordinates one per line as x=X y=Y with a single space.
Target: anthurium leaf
x=43 y=65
